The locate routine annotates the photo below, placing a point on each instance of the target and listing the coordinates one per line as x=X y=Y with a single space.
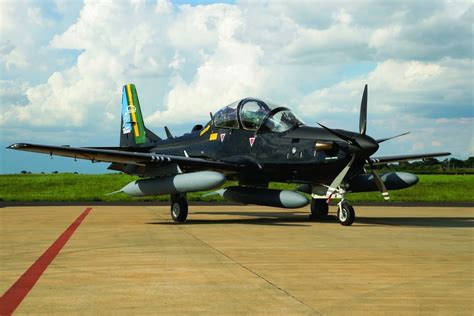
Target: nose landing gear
x=345 y=213
x=319 y=206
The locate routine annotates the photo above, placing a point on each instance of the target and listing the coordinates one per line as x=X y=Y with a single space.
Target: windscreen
x=281 y=121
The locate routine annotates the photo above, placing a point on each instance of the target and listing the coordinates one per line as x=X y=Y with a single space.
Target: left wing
x=387 y=159
x=125 y=157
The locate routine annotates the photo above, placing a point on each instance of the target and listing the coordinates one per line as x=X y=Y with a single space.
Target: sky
x=63 y=63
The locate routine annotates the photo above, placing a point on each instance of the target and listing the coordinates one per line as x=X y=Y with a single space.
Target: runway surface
x=237 y=260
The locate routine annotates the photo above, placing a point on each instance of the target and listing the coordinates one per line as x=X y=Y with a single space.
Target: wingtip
x=15 y=146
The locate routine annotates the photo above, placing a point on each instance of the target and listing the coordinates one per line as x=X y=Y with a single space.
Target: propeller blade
x=340 y=177
x=388 y=138
x=363 y=113
x=341 y=136
x=378 y=182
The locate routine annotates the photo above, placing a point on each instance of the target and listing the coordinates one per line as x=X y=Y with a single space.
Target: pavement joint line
x=243 y=266
x=13 y=297
x=251 y=271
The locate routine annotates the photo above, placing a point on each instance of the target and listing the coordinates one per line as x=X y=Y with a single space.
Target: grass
x=74 y=187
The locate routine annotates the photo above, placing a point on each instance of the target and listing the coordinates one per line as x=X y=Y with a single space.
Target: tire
x=179 y=209
x=346 y=214
x=319 y=208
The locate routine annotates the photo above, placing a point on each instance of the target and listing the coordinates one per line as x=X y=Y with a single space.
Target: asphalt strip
x=199 y=203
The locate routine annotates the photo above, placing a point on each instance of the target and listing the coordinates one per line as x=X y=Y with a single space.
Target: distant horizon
x=106 y=171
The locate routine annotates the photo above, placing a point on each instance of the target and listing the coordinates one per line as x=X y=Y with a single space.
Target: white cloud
x=177 y=62
x=231 y=72
x=14 y=58
x=342 y=16
x=201 y=27
x=193 y=59
x=399 y=86
x=163 y=7
x=13 y=93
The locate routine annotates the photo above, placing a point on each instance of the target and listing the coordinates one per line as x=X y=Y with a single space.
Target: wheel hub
x=175 y=210
x=342 y=214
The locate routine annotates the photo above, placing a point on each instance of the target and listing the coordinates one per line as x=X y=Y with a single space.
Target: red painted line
x=17 y=292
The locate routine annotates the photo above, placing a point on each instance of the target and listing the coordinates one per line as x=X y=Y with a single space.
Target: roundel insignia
x=251 y=141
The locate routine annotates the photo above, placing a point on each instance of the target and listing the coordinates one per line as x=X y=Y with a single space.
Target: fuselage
x=302 y=154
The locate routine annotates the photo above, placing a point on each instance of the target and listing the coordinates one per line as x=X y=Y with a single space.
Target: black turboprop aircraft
x=251 y=141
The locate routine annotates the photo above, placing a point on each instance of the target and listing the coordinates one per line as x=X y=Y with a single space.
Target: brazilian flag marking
x=132 y=114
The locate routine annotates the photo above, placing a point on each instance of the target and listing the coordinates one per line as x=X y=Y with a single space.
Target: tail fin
x=133 y=132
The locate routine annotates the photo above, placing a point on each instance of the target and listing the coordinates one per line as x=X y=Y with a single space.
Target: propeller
x=366 y=144
x=388 y=138
x=378 y=181
x=339 y=178
x=346 y=138
x=363 y=113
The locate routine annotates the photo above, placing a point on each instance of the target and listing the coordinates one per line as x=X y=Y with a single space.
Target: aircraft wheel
x=346 y=214
x=179 y=209
x=319 y=208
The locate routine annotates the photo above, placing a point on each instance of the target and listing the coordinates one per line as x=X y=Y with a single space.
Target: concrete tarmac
x=242 y=260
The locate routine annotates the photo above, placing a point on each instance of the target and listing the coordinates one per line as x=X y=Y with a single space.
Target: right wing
x=125 y=157
x=387 y=159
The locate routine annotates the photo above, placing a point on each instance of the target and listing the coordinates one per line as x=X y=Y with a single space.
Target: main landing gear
x=320 y=210
x=179 y=207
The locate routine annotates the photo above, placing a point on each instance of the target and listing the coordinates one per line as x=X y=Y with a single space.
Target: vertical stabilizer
x=133 y=132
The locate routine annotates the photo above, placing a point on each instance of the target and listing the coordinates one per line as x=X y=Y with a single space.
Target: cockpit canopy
x=256 y=115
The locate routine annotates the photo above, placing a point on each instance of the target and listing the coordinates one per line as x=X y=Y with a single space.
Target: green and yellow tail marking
x=132 y=114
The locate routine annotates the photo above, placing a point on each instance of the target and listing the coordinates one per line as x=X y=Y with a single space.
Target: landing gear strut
x=179 y=208
x=319 y=209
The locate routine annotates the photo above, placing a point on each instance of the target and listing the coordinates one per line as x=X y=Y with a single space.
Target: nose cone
x=368 y=144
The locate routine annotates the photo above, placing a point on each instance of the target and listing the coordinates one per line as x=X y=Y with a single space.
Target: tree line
x=433 y=165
